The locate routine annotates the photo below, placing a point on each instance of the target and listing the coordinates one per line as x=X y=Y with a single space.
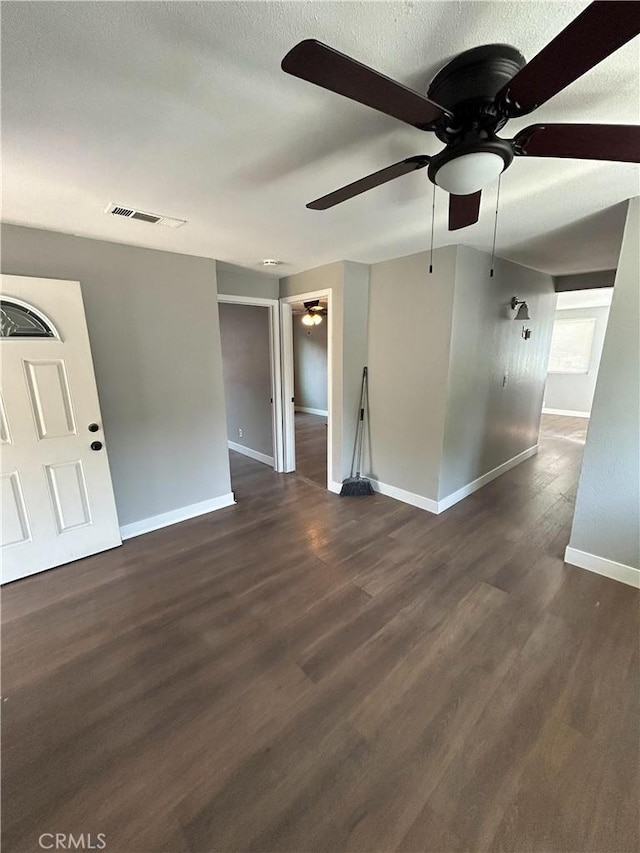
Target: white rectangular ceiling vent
x=144 y=216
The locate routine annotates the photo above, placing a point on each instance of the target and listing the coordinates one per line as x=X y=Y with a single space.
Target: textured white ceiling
x=181 y=108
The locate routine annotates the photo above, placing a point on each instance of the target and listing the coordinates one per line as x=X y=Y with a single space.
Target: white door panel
x=57 y=497
x=5 y=433
x=50 y=398
x=15 y=526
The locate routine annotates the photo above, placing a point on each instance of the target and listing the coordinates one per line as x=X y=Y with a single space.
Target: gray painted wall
x=409 y=334
x=244 y=332
x=439 y=346
x=354 y=343
x=574 y=391
x=607 y=517
x=310 y=364
x=238 y=281
x=488 y=423
x=153 y=324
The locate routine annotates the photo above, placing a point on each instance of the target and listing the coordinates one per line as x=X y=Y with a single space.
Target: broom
x=354 y=486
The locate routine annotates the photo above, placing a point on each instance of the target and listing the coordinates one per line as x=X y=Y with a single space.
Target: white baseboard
x=252 y=454
x=323 y=412
x=566 y=412
x=602 y=566
x=405 y=496
x=155 y=522
x=437 y=507
x=472 y=487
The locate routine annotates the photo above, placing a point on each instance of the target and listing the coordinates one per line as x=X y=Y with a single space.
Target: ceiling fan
x=313 y=313
x=474 y=96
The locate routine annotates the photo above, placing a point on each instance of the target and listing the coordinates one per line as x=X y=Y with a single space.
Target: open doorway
x=311 y=406
x=576 y=349
x=306 y=330
x=250 y=342
x=579 y=329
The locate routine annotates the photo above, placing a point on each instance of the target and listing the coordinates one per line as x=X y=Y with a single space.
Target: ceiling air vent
x=144 y=216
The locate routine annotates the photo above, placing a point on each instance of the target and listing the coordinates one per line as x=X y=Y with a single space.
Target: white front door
x=57 y=497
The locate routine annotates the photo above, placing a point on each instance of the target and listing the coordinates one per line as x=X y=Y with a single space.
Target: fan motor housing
x=467 y=86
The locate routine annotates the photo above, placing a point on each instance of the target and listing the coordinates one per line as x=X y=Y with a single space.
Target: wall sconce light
x=523 y=310
x=521 y=314
x=313 y=317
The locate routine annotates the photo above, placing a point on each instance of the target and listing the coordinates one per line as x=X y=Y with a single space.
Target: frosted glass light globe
x=311 y=319
x=470 y=172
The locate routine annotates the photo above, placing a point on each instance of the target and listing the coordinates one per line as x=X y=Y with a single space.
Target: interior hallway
x=311 y=447
x=304 y=672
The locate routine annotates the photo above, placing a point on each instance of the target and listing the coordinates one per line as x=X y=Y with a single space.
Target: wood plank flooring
x=311 y=447
x=306 y=673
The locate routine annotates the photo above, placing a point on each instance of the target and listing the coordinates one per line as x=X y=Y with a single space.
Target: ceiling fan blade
x=317 y=63
x=368 y=183
x=619 y=142
x=597 y=32
x=463 y=210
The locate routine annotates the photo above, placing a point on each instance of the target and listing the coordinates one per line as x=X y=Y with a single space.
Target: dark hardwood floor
x=311 y=447
x=303 y=672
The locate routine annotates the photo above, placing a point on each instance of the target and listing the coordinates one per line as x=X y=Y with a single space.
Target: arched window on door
x=18 y=320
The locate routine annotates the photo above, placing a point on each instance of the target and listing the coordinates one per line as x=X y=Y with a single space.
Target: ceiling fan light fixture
x=472 y=98
x=310 y=319
x=469 y=173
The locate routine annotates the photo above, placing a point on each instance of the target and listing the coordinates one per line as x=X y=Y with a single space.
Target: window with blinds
x=571 y=345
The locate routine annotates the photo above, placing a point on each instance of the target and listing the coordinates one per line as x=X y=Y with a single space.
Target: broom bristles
x=355 y=487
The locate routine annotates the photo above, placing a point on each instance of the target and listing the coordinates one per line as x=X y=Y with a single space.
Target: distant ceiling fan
x=474 y=96
x=313 y=313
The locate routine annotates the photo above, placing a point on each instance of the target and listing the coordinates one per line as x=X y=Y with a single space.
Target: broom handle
x=364 y=400
x=359 y=425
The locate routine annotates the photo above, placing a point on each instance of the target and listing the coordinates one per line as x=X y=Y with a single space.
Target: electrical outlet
x=239 y=433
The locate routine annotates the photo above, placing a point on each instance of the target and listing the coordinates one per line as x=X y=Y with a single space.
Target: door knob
x=93 y=427
x=96 y=445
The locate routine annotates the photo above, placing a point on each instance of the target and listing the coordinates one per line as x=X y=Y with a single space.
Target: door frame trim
x=276 y=368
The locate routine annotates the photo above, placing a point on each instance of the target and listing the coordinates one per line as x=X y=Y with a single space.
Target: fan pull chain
x=495 y=228
x=433 y=216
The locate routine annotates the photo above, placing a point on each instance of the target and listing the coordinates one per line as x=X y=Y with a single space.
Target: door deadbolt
x=93 y=427
x=96 y=445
